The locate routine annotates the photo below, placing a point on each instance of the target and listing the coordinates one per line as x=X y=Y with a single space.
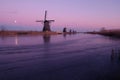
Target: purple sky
x=78 y=14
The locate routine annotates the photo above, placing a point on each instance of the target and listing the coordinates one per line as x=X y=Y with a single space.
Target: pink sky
x=82 y=14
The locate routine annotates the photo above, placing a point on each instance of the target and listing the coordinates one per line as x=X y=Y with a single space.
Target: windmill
x=46 y=23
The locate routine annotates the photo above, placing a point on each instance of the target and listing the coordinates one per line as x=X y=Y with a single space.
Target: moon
x=15 y=21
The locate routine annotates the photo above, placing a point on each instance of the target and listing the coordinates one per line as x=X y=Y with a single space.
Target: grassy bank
x=111 y=33
x=12 y=33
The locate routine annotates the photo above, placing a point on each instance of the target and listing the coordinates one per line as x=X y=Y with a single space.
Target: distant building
x=64 y=30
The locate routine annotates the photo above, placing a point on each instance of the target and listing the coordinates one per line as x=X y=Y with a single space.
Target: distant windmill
x=46 y=22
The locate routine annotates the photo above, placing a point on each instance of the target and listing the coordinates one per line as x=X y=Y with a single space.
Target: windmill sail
x=46 y=22
x=45 y=17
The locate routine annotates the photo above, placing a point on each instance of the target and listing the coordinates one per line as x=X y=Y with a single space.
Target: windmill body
x=46 y=22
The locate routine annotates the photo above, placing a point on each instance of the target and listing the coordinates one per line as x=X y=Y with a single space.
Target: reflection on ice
x=16 y=40
x=115 y=55
x=46 y=38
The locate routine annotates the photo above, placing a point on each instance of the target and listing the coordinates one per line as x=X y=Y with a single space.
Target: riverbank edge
x=13 y=33
x=110 y=33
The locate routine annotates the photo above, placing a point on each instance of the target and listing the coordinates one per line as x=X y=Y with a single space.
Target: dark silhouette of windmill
x=46 y=22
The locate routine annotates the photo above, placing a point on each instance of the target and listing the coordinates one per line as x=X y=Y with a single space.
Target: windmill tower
x=46 y=23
